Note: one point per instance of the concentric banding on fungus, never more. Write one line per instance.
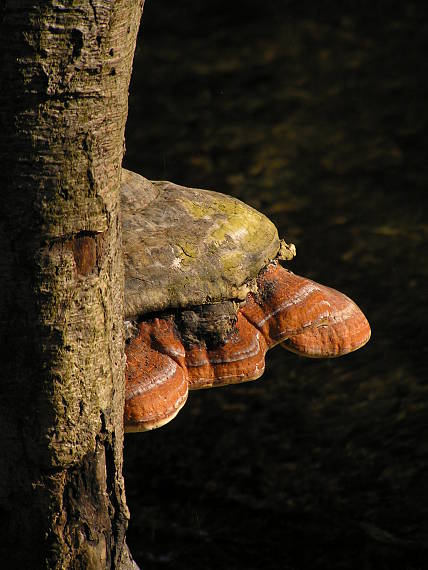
(206, 259)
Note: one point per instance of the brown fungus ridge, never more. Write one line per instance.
(307, 318)
(165, 361)
(285, 304)
(156, 387)
(346, 330)
(160, 370)
(240, 359)
(162, 335)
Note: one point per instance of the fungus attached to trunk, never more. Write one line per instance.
(205, 289)
(156, 387)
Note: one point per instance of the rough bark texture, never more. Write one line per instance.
(65, 70)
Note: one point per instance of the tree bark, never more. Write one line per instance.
(65, 70)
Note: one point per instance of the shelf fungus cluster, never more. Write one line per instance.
(206, 296)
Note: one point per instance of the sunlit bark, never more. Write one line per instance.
(65, 70)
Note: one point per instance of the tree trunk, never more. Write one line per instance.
(65, 70)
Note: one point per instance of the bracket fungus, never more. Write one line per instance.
(207, 296)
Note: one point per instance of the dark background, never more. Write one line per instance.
(316, 114)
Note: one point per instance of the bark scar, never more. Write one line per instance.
(84, 250)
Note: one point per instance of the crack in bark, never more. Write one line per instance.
(94, 11)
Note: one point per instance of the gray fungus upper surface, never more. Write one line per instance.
(185, 246)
